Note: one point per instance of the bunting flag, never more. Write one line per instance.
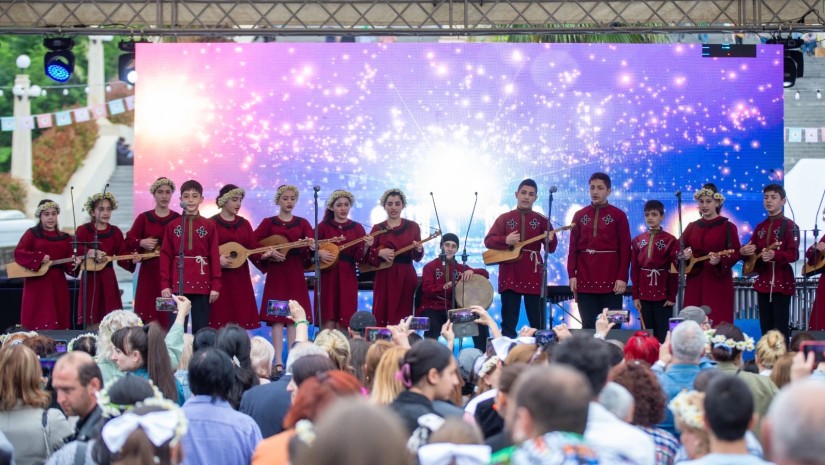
(81, 115)
(794, 134)
(116, 107)
(63, 118)
(26, 122)
(99, 111)
(130, 102)
(7, 123)
(44, 121)
(811, 134)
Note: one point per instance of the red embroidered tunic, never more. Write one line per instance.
(102, 292)
(599, 252)
(339, 283)
(45, 298)
(818, 311)
(776, 275)
(236, 303)
(201, 262)
(652, 253)
(394, 287)
(433, 278)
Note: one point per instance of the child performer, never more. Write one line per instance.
(813, 255)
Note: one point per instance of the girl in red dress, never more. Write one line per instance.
(339, 285)
(102, 292)
(45, 298)
(144, 236)
(237, 303)
(712, 283)
(394, 287)
(812, 256)
(285, 272)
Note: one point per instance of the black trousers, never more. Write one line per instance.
(774, 312)
(591, 306)
(657, 317)
(199, 314)
(511, 309)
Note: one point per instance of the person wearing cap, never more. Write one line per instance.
(358, 324)
(521, 278)
(697, 314)
(339, 283)
(437, 281)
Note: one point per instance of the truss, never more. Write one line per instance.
(397, 17)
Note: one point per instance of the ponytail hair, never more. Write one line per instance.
(150, 342)
(234, 341)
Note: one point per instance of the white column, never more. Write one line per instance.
(21, 140)
(96, 77)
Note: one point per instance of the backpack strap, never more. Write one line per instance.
(80, 453)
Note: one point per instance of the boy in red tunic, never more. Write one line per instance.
(654, 286)
(45, 298)
(521, 278)
(711, 282)
(813, 255)
(201, 258)
(775, 284)
(102, 291)
(599, 255)
(437, 288)
(145, 236)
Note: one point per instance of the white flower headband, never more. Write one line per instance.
(722, 342)
(111, 410)
(687, 406)
(707, 192)
(69, 348)
(237, 192)
(284, 188)
(41, 208)
(161, 182)
(305, 431)
(488, 366)
(393, 191)
(337, 194)
(165, 425)
(18, 337)
(89, 206)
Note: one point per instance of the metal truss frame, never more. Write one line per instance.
(404, 17)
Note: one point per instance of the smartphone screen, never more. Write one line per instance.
(378, 334)
(817, 347)
(277, 308)
(420, 323)
(618, 316)
(61, 346)
(165, 304)
(544, 337)
(674, 322)
(462, 315)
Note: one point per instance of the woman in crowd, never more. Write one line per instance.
(262, 355)
(45, 298)
(34, 430)
(781, 372)
(141, 350)
(386, 386)
(642, 346)
(84, 343)
(689, 416)
(235, 342)
(336, 346)
(182, 372)
(374, 355)
(304, 368)
(358, 349)
(769, 349)
(129, 443)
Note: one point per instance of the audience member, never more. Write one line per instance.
(76, 379)
(358, 358)
(642, 346)
(688, 411)
(457, 441)
(697, 314)
(359, 322)
(798, 338)
(336, 346)
(781, 372)
(262, 355)
(770, 347)
(182, 373)
(374, 354)
(509, 375)
(142, 351)
(234, 341)
(679, 363)
(482, 406)
(305, 368)
(792, 431)
(205, 337)
(618, 401)
(386, 386)
(616, 352)
(148, 434)
(43, 346)
(217, 433)
(84, 343)
(6, 451)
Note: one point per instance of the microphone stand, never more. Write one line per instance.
(443, 257)
(181, 255)
(95, 246)
(682, 278)
(543, 294)
(316, 260)
(466, 235)
(74, 254)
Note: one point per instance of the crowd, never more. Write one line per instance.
(138, 395)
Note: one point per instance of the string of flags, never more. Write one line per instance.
(64, 118)
(807, 135)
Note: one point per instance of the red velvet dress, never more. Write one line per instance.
(394, 287)
(236, 303)
(147, 225)
(817, 321)
(599, 253)
(652, 254)
(712, 285)
(201, 262)
(776, 276)
(285, 280)
(45, 298)
(339, 284)
(433, 278)
(102, 292)
(522, 276)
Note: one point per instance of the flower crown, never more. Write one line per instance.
(688, 406)
(284, 188)
(69, 348)
(305, 431)
(89, 206)
(337, 194)
(237, 192)
(161, 182)
(488, 366)
(111, 410)
(722, 342)
(707, 192)
(16, 337)
(41, 208)
(393, 191)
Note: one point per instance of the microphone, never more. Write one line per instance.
(678, 194)
(316, 188)
(553, 189)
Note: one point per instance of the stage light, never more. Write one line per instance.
(126, 62)
(58, 64)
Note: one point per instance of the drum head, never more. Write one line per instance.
(476, 291)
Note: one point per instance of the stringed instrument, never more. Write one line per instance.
(694, 260)
(815, 268)
(513, 253)
(14, 270)
(238, 253)
(94, 265)
(367, 268)
(749, 268)
(335, 250)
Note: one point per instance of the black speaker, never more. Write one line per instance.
(618, 334)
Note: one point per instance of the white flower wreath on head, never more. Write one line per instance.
(393, 191)
(89, 206)
(707, 192)
(305, 431)
(337, 194)
(688, 406)
(237, 192)
(722, 342)
(111, 410)
(488, 366)
(69, 347)
(161, 182)
(45, 206)
(284, 188)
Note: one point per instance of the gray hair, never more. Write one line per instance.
(797, 423)
(108, 325)
(617, 399)
(302, 350)
(693, 313)
(687, 342)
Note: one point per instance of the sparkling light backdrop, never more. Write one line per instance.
(454, 119)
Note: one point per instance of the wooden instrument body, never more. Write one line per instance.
(513, 253)
(238, 253)
(91, 264)
(815, 268)
(14, 270)
(689, 266)
(749, 268)
(336, 250)
(367, 268)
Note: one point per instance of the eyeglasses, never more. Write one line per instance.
(707, 322)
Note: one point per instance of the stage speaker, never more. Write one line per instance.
(618, 334)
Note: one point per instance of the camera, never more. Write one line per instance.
(277, 308)
(166, 304)
(462, 315)
(618, 316)
(378, 334)
(420, 323)
(545, 336)
(673, 323)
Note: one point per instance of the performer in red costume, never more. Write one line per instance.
(102, 292)
(813, 255)
(654, 286)
(339, 284)
(145, 236)
(285, 272)
(394, 287)
(521, 278)
(237, 303)
(437, 287)
(599, 255)
(712, 284)
(45, 298)
(201, 259)
(775, 283)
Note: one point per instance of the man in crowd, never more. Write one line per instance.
(76, 379)
(793, 430)
(359, 322)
